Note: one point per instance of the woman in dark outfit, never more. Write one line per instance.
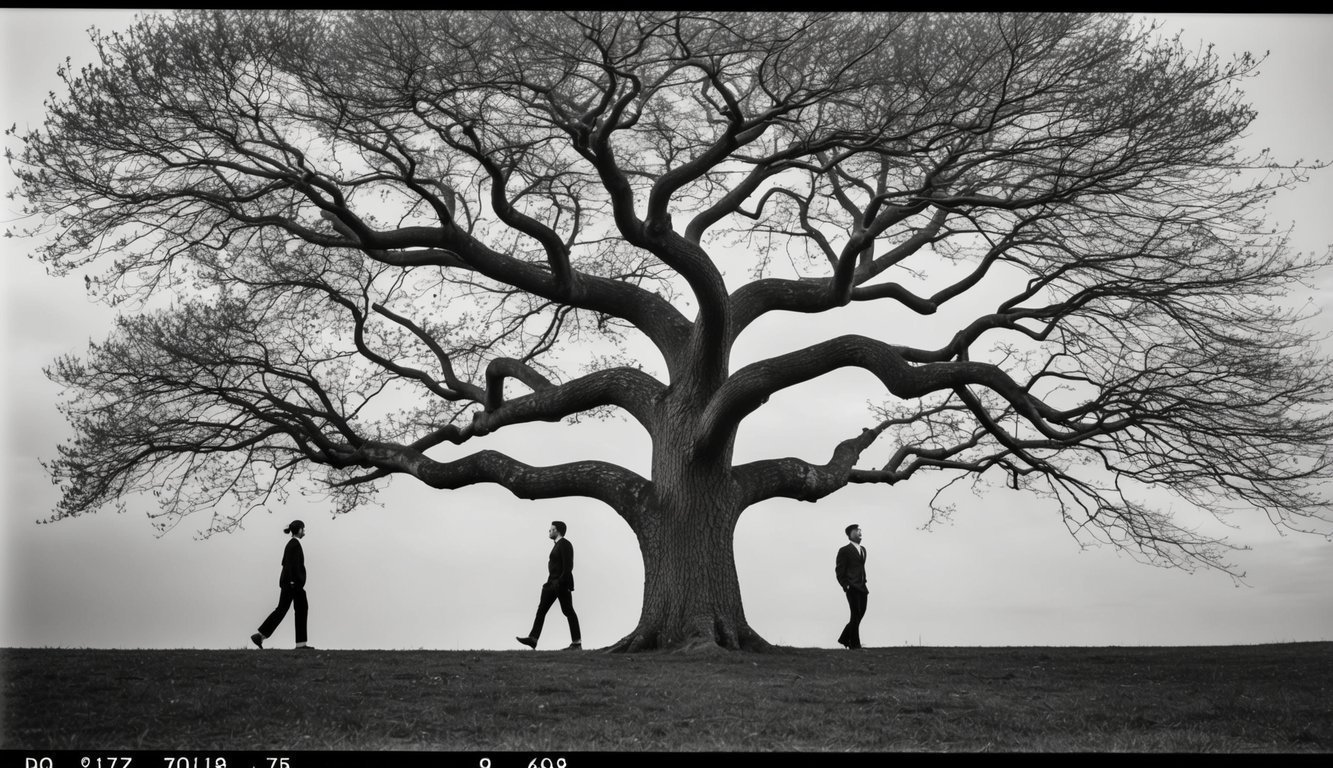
(292, 582)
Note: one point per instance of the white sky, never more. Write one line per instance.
(460, 570)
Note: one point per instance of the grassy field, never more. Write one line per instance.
(1270, 698)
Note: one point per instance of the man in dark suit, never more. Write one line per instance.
(559, 586)
(851, 572)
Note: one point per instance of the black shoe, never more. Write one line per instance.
(530, 642)
(257, 639)
(304, 648)
(575, 647)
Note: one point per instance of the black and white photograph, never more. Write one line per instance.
(534, 385)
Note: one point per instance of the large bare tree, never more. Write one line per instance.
(356, 244)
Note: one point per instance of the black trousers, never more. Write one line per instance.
(290, 596)
(856, 604)
(549, 596)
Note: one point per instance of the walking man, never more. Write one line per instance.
(851, 572)
(559, 586)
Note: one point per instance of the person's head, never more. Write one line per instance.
(297, 529)
(557, 529)
(854, 532)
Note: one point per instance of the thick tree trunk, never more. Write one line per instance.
(686, 531)
(691, 594)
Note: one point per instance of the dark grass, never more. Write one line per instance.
(1268, 698)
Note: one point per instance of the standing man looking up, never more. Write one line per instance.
(851, 572)
(559, 586)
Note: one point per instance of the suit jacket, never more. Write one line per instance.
(293, 565)
(561, 565)
(851, 568)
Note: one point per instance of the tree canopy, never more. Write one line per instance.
(353, 244)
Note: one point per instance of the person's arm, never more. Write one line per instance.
(566, 557)
(293, 565)
(555, 565)
(840, 569)
(300, 565)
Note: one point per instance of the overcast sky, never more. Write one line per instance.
(461, 569)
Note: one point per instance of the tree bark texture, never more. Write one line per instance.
(686, 532)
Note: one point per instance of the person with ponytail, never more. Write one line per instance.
(292, 583)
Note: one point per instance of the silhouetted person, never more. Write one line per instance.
(292, 582)
(851, 572)
(559, 586)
